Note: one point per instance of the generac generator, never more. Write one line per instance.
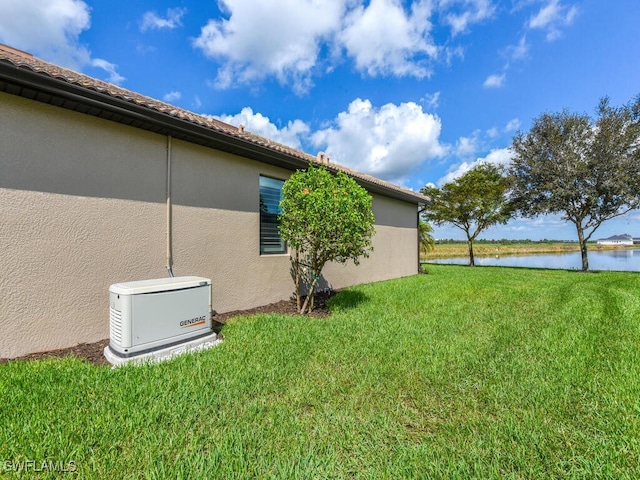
(153, 315)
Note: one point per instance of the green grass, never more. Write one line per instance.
(462, 373)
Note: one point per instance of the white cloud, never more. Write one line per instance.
(261, 38)
(519, 51)
(431, 100)
(511, 53)
(295, 39)
(151, 20)
(468, 146)
(466, 13)
(456, 171)
(51, 30)
(495, 81)
(145, 49)
(388, 142)
(512, 125)
(493, 132)
(547, 15)
(501, 156)
(172, 96)
(384, 39)
(451, 53)
(110, 68)
(552, 17)
(257, 123)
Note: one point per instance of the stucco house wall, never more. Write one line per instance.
(84, 205)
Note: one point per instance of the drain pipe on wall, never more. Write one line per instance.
(169, 213)
(420, 212)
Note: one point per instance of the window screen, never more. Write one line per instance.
(270, 196)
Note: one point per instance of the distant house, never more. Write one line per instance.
(101, 185)
(623, 239)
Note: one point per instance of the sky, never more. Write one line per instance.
(412, 92)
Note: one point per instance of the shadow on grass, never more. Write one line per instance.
(347, 300)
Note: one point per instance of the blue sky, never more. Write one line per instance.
(413, 92)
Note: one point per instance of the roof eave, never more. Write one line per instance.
(144, 117)
(169, 125)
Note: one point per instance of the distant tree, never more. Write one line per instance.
(427, 242)
(325, 218)
(586, 170)
(473, 202)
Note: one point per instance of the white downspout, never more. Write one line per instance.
(169, 213)
(420, 211)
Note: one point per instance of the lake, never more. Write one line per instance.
(627, 260)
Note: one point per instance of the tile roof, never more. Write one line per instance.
(26, 62)
(624, 236)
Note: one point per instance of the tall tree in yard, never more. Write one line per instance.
(473, 202)
(586, 170)
(325, 217)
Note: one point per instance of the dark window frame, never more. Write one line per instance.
(270, 194)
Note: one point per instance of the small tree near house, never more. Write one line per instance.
(324, 217)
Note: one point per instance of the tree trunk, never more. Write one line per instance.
(310, 295)
(471, 259)
(316, 269)
(583, 249)
(296, 266)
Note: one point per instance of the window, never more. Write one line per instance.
(270, 196)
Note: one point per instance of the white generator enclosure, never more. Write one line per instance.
(150, 315)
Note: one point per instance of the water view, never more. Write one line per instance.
(627, 260)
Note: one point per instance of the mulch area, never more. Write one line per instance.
(94, 352)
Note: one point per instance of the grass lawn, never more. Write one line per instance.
(462, 373)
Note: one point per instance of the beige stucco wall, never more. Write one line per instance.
(395, 247)
(83, 204)
(216, 227)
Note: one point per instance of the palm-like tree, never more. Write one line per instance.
(427, 242)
